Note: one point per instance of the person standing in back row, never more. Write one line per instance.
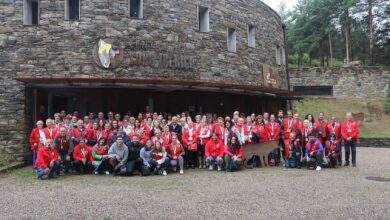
(350, 134)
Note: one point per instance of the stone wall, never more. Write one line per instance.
(349, 82)
(63, 49)
(374, 142)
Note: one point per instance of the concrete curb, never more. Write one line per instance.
(11, 167)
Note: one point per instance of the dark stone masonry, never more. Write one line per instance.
(350, 82)
(165, 44)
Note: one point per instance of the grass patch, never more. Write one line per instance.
(370, 128)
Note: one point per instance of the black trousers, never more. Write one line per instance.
(79, 165)
(315, 160)
(133, 165)
(147, 170)
(113, 162)
(192, 158)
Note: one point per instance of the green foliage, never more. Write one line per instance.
(313, 21)
(387, 101)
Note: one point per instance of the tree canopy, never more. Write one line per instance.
(333, 32)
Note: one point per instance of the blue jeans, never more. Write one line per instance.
(54, 171)
(350, 146)
(211, 161)
(34, 157)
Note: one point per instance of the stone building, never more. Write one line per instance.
(199, 56)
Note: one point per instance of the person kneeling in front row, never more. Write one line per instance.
(333, 147)
(233, 155)
(100, 156)
(82, 157)
(47, 161)
(214, 150)
(118, 154)
(159, 156)
(314, 151)
(175, 153)
(146, 155)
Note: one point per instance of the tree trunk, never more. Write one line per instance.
(346, 46)
(330, 49)
(370, 36)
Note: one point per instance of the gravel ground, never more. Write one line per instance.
(250, 194)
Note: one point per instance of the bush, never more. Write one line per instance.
(387, 100)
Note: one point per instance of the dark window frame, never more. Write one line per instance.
(314, 90)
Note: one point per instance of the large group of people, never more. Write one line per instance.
(153, 144)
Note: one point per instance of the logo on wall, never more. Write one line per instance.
(107, 53)
(270, 75)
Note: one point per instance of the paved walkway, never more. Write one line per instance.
(265, 193)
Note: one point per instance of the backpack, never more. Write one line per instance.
(253, 162)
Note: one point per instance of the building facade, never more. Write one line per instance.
(200, 56)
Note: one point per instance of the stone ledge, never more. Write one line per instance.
(12, 166)
(374, 142)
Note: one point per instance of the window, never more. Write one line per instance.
(314, 90)
(203, 19)
(277, 54)
(31, 12)
(72, 9)
(231, 40)
(136, 8)
(251, 36)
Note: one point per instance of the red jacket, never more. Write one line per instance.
(294, 127)
(273, 130)
(78, 154)
(74, 132)
(317, 124)
(204, 132)
(304, 137)
(331, 148)
(167, 137)
(336, 129)
(234, 151)
(172, 153)
(350, 130)
(34, 139)
(58, 143)
(243, 130)
(187, 137)
(214, 149)
(50, 134)
(287, 147)
(263, 133)
(162, 141)
(91, 134)
(221, 132)
(45, 156)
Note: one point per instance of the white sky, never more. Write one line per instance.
(274, 3)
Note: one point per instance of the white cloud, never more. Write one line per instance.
(274, 3)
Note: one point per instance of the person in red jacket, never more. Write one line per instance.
(47, 161)
(233, 155)
(333, 149)
(61, 143)
(292, 153)
(175, 153)
(214, 151)
(50, 130)
(37, 139)
(321, 124)
(204, 134)
(189, 139)
(335, 128)
(350, 134)
(273, 129)
(82, 157)
(314, 151)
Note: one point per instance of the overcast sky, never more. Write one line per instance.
(274, 3)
